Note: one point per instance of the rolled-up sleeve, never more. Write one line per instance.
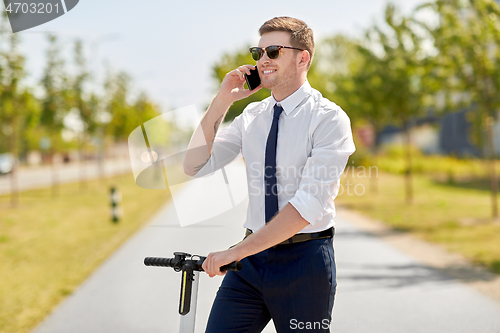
(332, 144)
(226, 147)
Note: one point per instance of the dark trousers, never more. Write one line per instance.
(292, 284)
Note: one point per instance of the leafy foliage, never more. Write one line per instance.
(468, 41)
(124, 115)
(19, 110)
(56, 95)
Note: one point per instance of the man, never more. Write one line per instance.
(296, 145)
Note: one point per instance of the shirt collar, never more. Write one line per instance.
(292, 101)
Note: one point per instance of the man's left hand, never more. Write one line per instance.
(215, 260)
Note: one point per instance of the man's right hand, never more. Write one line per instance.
(232, 87)
(231, 90)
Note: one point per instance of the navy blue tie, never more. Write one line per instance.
(271, 197)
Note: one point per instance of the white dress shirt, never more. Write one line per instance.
(314, 144)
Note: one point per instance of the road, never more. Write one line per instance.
(380, 289)
(41, 176)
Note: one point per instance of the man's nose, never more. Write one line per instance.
(265, 59)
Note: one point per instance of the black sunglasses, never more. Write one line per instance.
(273, 51)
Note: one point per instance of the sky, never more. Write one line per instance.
(169, 47)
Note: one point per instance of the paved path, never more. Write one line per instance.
(380, 289)
(41, 176)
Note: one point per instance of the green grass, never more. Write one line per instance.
(392, 159)
(49, 246)
(453, 215)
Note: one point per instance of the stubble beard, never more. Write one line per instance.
(281, 82)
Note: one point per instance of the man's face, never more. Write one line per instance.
(278, 74)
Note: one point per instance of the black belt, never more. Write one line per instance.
(328, 233)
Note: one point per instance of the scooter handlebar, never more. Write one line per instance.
(184, 262)
(177, 264)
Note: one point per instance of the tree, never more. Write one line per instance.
(83, 104)
(468, 40)
(144, 108)
(335, 61)
(118, 106)
(18, 107)
(55, 103)
(351, 77)
(124, 113)
(398, 65)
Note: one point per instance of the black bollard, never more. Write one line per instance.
(115, 198)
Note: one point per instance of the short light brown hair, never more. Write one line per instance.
(301, 36)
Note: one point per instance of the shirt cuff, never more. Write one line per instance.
(308, 206)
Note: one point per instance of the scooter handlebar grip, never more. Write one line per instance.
(235, 266)
(161, 262)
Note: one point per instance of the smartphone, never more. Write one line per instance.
(253, 80)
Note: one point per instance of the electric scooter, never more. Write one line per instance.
(190, 266)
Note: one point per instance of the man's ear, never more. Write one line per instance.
(304, 59)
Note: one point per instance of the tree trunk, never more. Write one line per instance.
(491, 166)
(83, 168)
(408, 173)
(373, 179)
(375, 149)
(54, 177)
(14, 181)
(100, 164)
(101, 157)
